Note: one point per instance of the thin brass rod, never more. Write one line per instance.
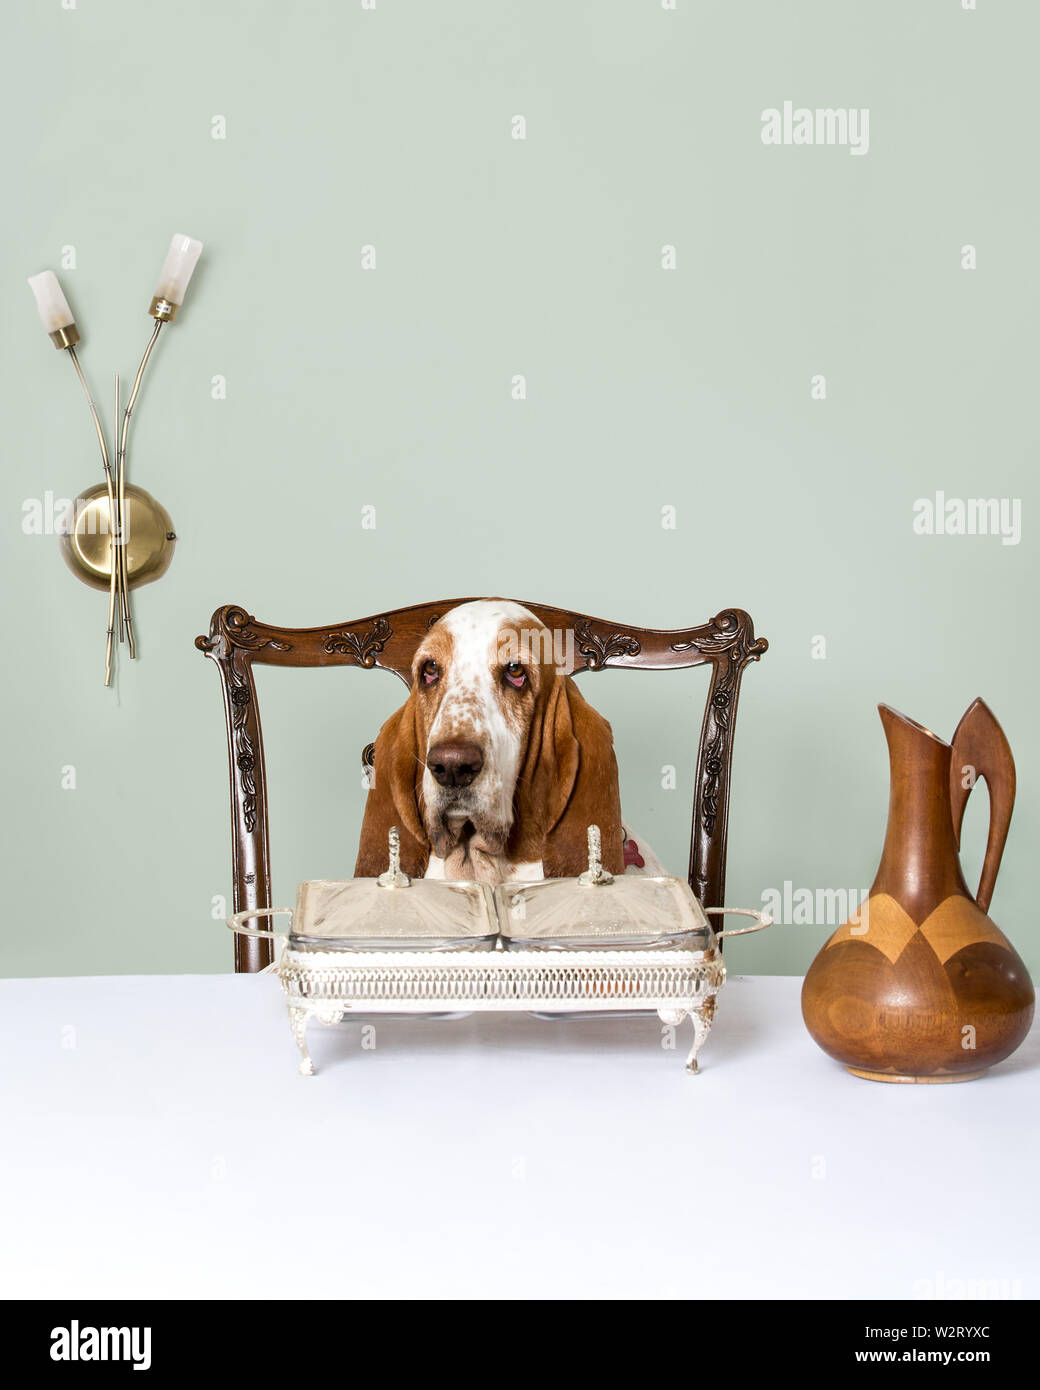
(113, 578)
(117, 532)
(121, 468)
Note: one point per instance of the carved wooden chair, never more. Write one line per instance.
(388, 642)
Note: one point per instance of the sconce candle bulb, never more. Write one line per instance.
(55, 314)
(177, 270)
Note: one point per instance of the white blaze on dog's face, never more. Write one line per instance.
(476, 695)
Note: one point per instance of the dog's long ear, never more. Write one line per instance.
(579, 774)
(393, 799)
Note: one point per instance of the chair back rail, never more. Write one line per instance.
(388, 642)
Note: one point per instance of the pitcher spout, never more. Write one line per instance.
(920, 866)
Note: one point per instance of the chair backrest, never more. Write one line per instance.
(388, 642)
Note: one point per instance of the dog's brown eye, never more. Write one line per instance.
(430, 672)
(516, 675)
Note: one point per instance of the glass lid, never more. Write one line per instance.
(597, 909)
(391, 912)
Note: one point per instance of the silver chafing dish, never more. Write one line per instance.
(559, 948)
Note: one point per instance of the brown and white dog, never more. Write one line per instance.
(495, 766)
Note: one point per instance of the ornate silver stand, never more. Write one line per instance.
(370, 974)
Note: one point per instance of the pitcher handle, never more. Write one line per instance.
(981, 749)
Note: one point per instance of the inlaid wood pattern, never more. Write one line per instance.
(951, 996)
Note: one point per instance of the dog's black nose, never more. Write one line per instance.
(454, 764)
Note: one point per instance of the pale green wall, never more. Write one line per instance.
(646, 388)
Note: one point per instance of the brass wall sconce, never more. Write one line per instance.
(117, 536)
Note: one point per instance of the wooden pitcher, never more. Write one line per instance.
(921, 985)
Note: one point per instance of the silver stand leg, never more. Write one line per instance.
(701, 1018)
(298, 1018)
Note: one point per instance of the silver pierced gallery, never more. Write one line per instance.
(75, 1343)
(800, 125)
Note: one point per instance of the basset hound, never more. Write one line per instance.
(495, 766)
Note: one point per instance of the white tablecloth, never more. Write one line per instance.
(158, 1142)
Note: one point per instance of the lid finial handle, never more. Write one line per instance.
(595, 873)
(394, 878)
